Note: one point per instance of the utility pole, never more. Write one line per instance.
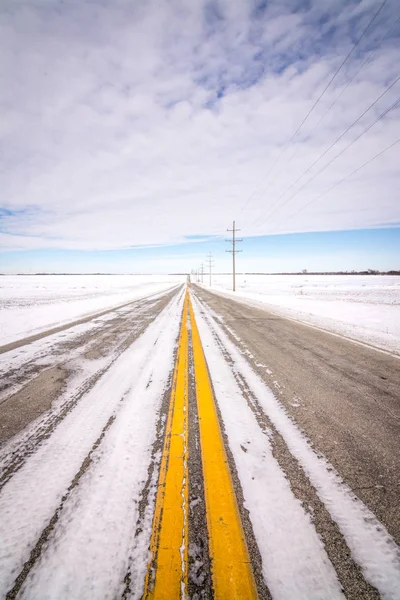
(210, 262)
(202, 272)
(233, 251)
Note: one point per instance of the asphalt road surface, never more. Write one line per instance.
(188, 445)
(345, 397)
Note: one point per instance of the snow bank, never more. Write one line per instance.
(30, 304)
(365, 308)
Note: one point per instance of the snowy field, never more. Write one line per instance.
(365, 308)
(30, 304)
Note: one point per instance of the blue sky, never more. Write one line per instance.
(129, 128)
(338, 250)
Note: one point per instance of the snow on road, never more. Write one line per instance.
(30, 304)
(131, 391)
(365, 308)
(18, 364)
(371, 545)
(81, 503)
(295, 564)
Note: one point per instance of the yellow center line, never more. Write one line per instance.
(231, 568)
(167, 572)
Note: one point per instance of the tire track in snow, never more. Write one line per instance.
(167, 568)
(19, 367)
(146, 503)
(18, 449)
(36, 551)
(370, 544)
(84, 319)
(101, 513)
(26, 508)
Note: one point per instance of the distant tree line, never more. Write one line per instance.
(305, 272)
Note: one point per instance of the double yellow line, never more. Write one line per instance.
(167, 575)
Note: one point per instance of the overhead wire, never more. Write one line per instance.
(357, 72)
(371, 54)
(381, 116)
(254, 193)
(367, 162)
(316, 161)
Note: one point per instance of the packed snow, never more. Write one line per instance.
(362, 307)
(30, 304)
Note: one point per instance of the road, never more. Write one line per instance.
(188, 445)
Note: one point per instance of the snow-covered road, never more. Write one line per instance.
(174, 428)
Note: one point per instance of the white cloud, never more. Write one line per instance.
(131, 123)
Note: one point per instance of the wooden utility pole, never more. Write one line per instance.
(233, 251)
(202, 272)
(210, 262)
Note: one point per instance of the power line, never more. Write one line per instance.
(210, 262)
(392, 26)
(233, 251)
(332, 160)
(315, 104)
(366, 61)
(367, 162)
(339, 69)
(201, 273)
(328, 149)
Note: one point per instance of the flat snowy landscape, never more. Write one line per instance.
(163, 437)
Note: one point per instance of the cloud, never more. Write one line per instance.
(137, 123)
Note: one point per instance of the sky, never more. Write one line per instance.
(132, 133)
